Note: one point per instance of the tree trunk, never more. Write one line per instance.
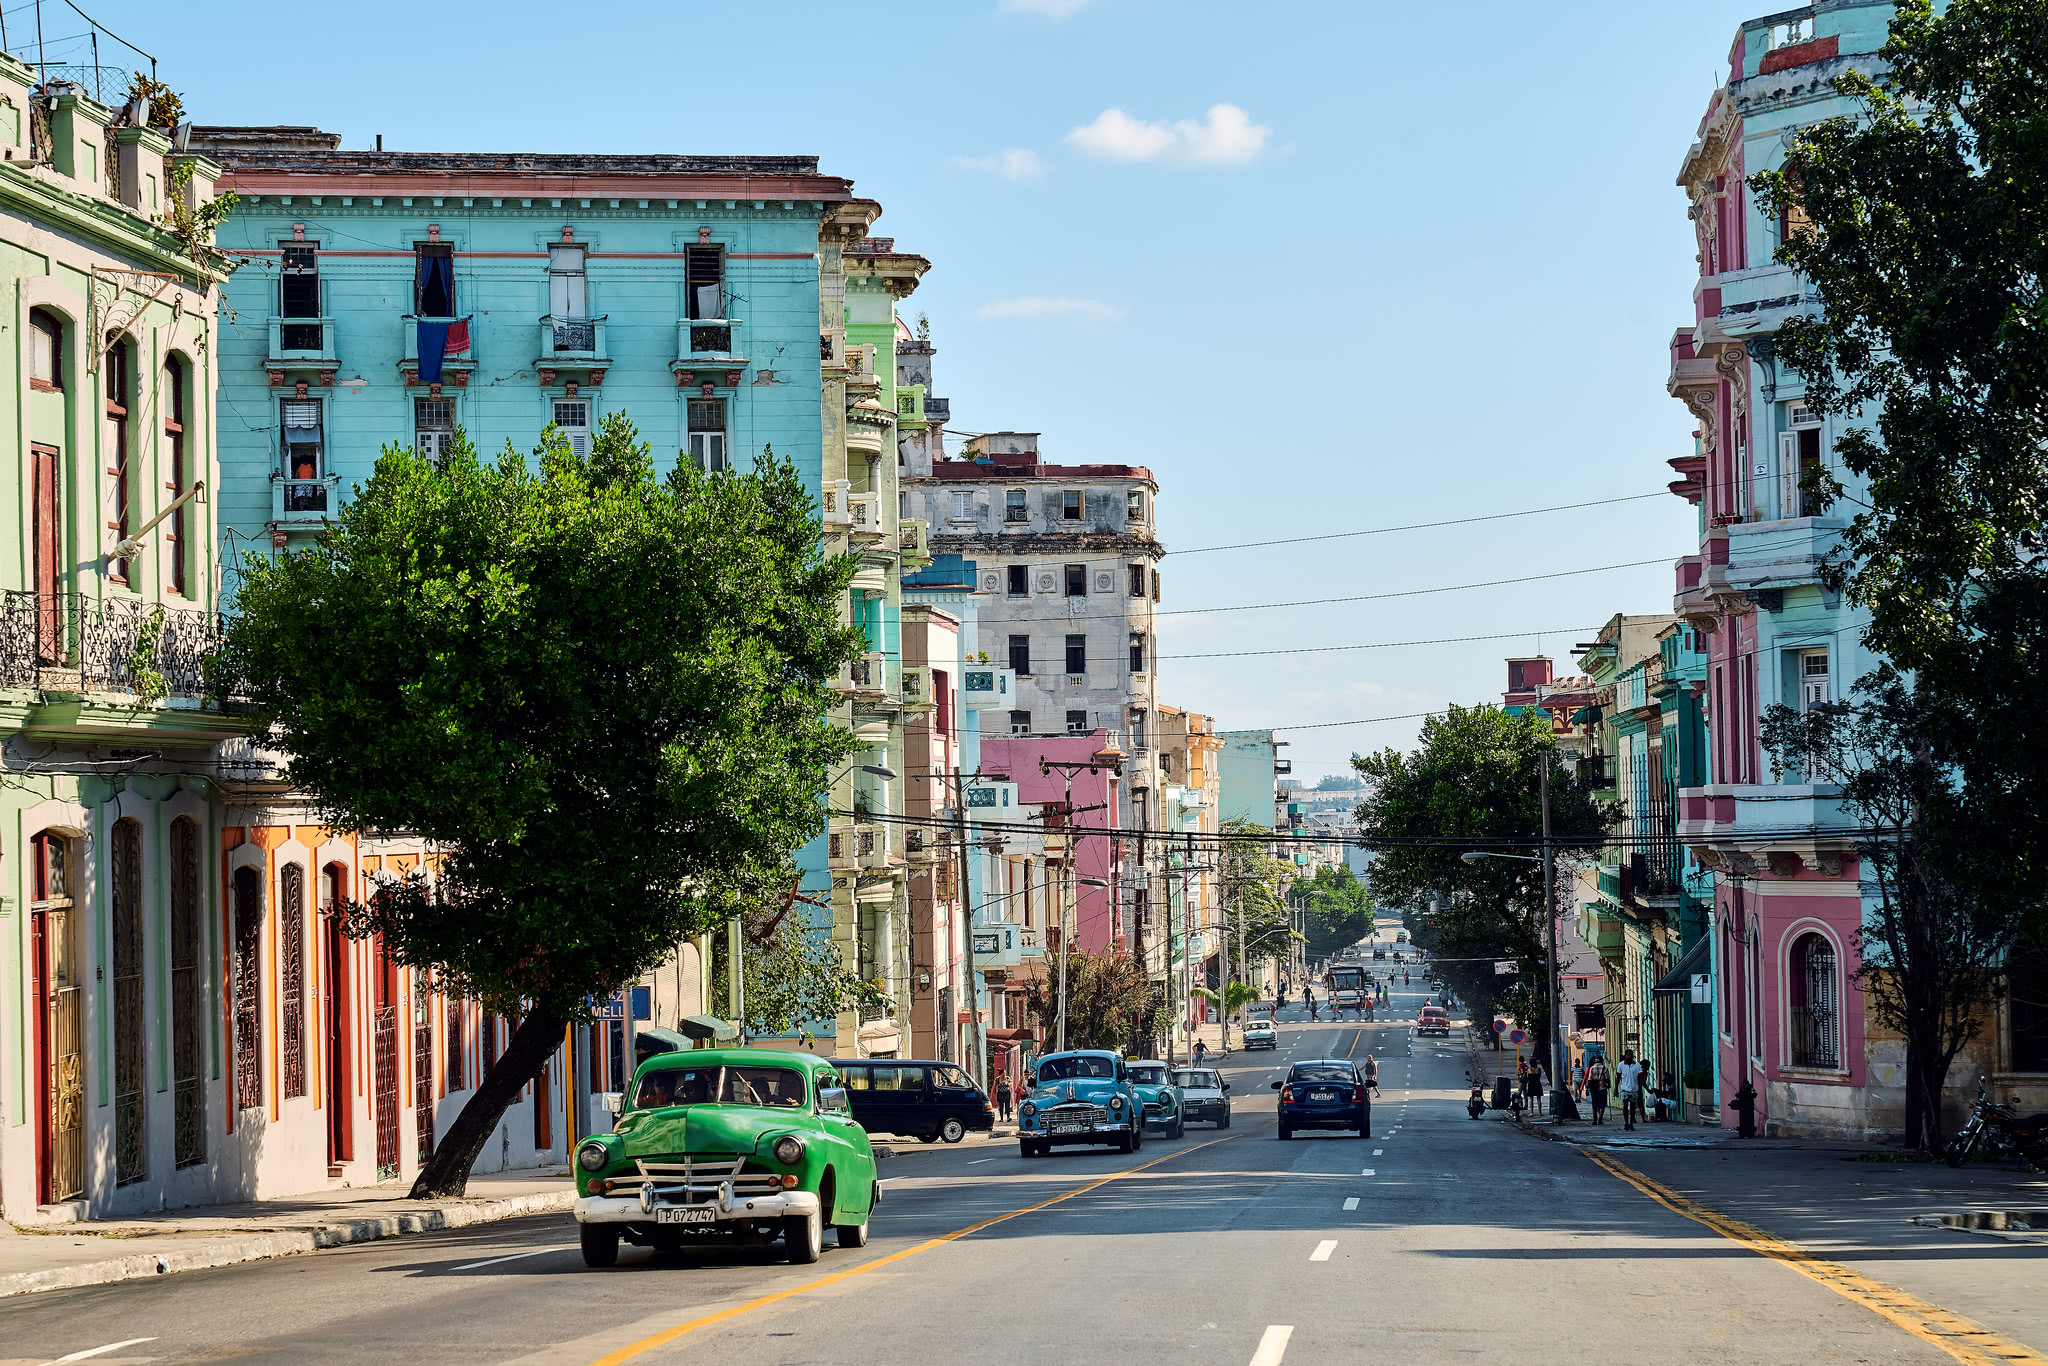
(447, 1171)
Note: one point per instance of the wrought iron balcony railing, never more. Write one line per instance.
(107, 645)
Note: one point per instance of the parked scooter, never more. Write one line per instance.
(2000, 1131)
(1475, 1104)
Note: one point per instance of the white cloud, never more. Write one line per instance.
(1012, 163)
(1042, 306)
(1227, 137)
(1050, 9)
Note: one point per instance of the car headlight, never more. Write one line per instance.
(1027, 1110)
(1116, 1102)
(593, 1156)
(789, 1150)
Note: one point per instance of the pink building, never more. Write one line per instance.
(1097, 924)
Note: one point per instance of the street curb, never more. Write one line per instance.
(251, 1247)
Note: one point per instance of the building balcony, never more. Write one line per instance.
(1602, 933)
(984, 686)
(299, 344)
(1780, 554)
(577, 344)
(872, 850)
(1757, 301)
(458, 362)
(865, 512)
(834, 511)
(303, 503)
(868, 676)
(999, 946)
(913, 540)
(77, 643)
(708, 349)
(917, 690)
(1762, 816)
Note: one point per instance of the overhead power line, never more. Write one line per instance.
(1380, 645)
(1426, 526)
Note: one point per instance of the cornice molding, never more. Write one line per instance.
(102, 224)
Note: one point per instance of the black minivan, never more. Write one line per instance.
(921, 1100)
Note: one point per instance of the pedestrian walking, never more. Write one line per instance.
(1596, 1088)
(1201, 1052)
(1372, 1074)
(1628, 1079)
(1579, 1080)
(1532, 1086)
(1003, 1098)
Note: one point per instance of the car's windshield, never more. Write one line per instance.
(1149, 1076)
(778, 1087)
(1068, 1069)
(1195, 1080)
(1321, 1071)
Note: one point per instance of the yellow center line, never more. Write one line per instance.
(1962, 1338)
(668, 1335)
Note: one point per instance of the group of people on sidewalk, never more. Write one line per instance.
(1631, 1079)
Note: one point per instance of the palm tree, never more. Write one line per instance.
(1234, 997)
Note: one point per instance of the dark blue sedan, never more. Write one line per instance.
(1324, 1093)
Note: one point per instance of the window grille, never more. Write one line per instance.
(1815, 1027)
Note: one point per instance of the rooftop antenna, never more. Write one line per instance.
(42, 60)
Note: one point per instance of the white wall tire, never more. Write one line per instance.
(803, 1237)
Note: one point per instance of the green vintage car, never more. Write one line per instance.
(745, 1144)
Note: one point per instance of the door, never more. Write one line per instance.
(335, 986)
(49, 536)
(384, 1040)
(543, 1103)
(131, 1113)
(60, 1001)
(423, 1072)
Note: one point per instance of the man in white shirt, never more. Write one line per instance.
(1628, 1079)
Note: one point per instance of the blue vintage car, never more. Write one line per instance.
(1159, 1094)
(1083, 1096)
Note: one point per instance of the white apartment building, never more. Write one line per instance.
(1068, 559)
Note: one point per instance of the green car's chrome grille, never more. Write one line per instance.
(703, 1178)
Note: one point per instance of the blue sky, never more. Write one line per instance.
(1332, 267)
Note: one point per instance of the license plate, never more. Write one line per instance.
(1322, 1095)
(1071, 1127)
(686, 1216)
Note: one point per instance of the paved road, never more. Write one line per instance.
(1438, 1239)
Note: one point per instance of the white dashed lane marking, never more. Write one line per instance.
(1323, 1250)
(1351, 1202)
(1367, 1172)
(1273, 1345)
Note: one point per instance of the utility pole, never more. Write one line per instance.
(967, 933)
(736, 977)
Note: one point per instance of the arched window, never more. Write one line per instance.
(1816, 1025)
(46, 350)
(291, 982)
(131, 1131)
(188, 1109)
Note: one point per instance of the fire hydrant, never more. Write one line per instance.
(1744, 1105)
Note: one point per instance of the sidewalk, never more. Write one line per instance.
(95, 1253)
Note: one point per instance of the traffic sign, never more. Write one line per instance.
(1500, 1026)
(1516, 1036)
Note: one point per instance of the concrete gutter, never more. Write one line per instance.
(188, 1252)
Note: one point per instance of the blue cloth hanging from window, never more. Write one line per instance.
(433, 348)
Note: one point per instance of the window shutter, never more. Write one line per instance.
(1788, 474)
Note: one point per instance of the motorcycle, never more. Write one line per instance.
(1475, 1104)
(2000, 1131)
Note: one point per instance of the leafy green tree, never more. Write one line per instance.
(600, 694)
(1474, 783)
(793, 973)
(1107, 999)
(1921, 225)
(1251, 881)
(1340, 910)
(1933, 945)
